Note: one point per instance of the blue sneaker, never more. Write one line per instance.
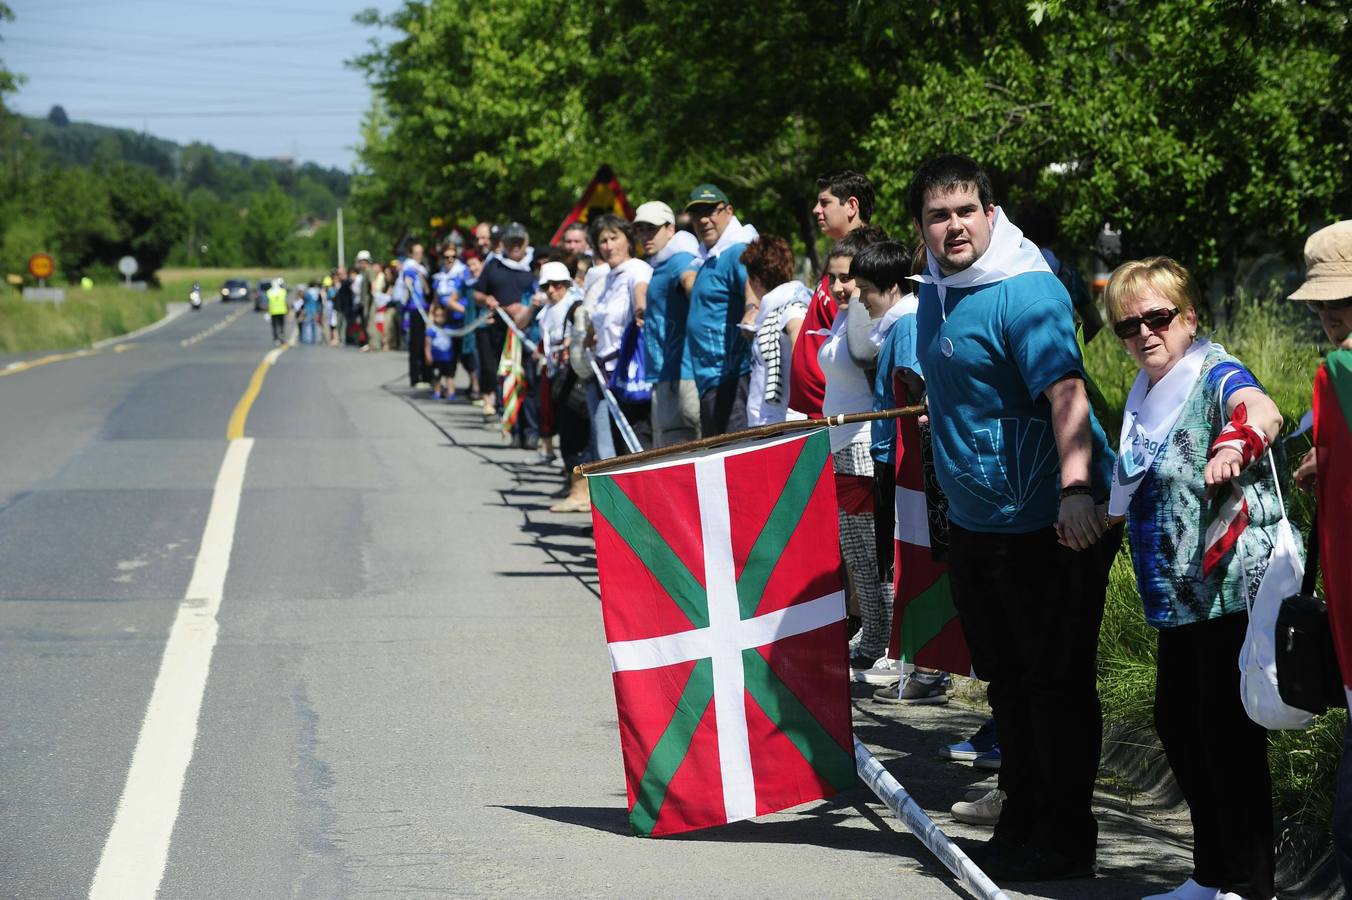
(988, 760)
(982, 742)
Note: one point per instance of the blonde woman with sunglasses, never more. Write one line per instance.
(1193, 481)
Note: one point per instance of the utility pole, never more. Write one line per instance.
(341, 255)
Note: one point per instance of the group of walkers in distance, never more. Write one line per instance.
(687, 322)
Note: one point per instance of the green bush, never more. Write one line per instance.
(1278, 341)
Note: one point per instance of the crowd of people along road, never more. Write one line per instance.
(697, 325)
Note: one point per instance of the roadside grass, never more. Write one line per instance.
(83, 318)
(1279, 342)
(109, 310)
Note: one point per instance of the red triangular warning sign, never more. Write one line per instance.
(603, 194)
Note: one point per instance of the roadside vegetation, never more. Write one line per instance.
(82, 319)
(86, 317)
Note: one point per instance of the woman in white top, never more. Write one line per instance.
(850, 390)
(783, 304)
(620, 301)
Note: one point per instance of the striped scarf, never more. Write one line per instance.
(769, 325)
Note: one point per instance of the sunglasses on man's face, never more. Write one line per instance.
(1155, 320)
(707, 211)
(1318, 306)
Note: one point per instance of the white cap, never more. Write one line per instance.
(554, 271)
(363, 255)
(655, 212)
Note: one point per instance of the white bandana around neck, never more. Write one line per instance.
(680, 242)
(1009, 254)
(1147, 419)
(521, 265)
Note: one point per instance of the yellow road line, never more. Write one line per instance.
(15, 368)
(235, 430)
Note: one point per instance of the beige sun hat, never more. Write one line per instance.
(1328, 264)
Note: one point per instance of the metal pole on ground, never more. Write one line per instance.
(894, 796)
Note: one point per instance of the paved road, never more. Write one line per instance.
(408, 694)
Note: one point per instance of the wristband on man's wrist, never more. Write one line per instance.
(1073, 490)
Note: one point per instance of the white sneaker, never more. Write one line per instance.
(985, 811)
(884, 672)
(1188, 890)
(1231, 895)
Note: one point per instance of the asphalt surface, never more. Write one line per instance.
(410, 694)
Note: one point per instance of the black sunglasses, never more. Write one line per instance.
(1317, 306)
(1155, 320)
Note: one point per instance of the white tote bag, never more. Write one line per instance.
(1258, 656)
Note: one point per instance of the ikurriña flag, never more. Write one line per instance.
(925, 627)
(513, 375)
(1333, 492)
(724, 615)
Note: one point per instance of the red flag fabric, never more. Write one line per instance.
(1333, 492)
(807, 384)
(724, 614)
(602, 192)
(925, 626)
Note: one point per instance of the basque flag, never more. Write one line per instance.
(724, 613)
(1333, 491)
(925, 626)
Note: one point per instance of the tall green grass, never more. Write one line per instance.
(83, 318)
(1279, 342)
(109, 310)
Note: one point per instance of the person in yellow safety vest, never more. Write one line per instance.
(277, 310)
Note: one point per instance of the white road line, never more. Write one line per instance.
(137, 849)
(224, 323)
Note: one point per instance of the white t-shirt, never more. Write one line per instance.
(847, 387)
(615, 307)
(758, 410)
(551, 321)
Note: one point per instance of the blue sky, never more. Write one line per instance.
(259, 77)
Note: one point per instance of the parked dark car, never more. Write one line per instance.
(261, 295)
(234, 289)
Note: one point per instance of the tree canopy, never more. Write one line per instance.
(1209, 130)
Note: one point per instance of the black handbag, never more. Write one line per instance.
(1308, 677)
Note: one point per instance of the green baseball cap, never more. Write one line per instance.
(706, 193)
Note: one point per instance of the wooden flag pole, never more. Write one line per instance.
(762, 431)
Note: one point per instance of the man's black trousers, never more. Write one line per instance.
(1031, 610)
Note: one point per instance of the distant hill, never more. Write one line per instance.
(89, 194)
(313, 189)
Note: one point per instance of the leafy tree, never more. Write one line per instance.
(57, 116)
(268, 236)
(481, 112)
(150, 216)
(1209, 131)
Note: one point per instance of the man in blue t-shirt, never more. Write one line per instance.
(720, 358)
(675, 403)
(1026, 469)
(412, 289)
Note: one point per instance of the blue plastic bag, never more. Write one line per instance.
(629, 379)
